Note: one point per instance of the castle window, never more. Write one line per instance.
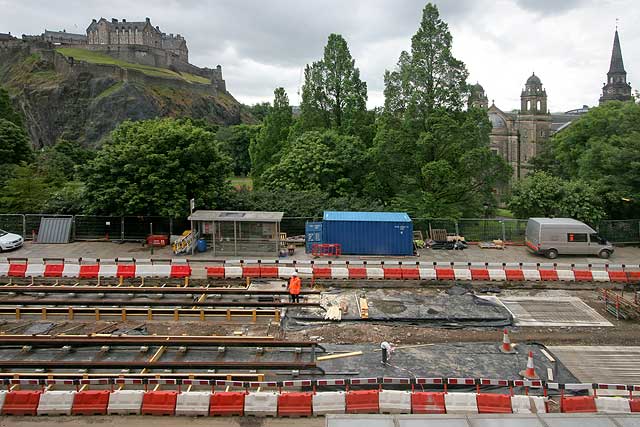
(528, 105)
(538, 106)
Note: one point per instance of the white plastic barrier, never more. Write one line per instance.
(261, 404)
(339, 273)
(375, 273)
(71, 270)
(56, 402)
(528, 404)
(461, 403)
(462, 273)
(329, 402)
(305, 272)
(566, 275)
(144, 270)
(395, 402)
(4, 269)
(34, 270)
(3, 394)
(162, 270)
(497, 275)
(125, 402)
(193, 403)
(108, 270)
(285, 272)
(600, 276)
(531, 275)
(233, 272)
(612, 405)
(428, 274)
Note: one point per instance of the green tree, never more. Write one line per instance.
(7, 111)
(234, 141)
(14, 144)
(154, 167)
(333, 96)
(603, 149)
(25, 191)
(266, 148)
(258, 111)
(320, 161)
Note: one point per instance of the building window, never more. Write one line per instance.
(576, 237)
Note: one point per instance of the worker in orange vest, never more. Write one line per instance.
(294, 288)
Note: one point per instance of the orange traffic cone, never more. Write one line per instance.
(506, 346)
(530, 372)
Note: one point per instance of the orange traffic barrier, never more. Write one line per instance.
(490, 403)
(227, 403)
(411, 273)
(180, 271)
(445, 274)
(159, 403)
(423, 402)
(295, 404)
(215, 272)
(322, 272)
(578, 404)
(635, 405)
(480, 274)
(251, 271)
(126, 271)
(514, 275)
(548, 275)
(362, 402)
(393, 273)
(357, 273)
(89, 271)
(21, 402)
(270, 271)
(90, 402)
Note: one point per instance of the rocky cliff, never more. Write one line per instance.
(63, 97)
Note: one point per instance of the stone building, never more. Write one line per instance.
(62, 37)
(119, 33)
(616, 88)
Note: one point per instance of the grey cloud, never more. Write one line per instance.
(551, 7)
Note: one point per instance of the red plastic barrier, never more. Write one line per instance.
(634, 276)
(295, 404)
(491, 403)
(89, 271)
(53, 270)
(411, 273)
(215, 272)
(635, 405)
(21, 402)
(392, 273)
(180, 271)
(423, 402)
(362, 402)
(90, 402)
(322, 272)
(514, 275)
(445, 274)
(583, 275)
(479, 274)
(227, 403)
(578, 404)
(618, 276)
(357, 273)
(251, 271)
(17, 270)
(126, 271)
(270, 271)
(548, 275)
(159, 403)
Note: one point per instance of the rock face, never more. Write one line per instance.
(63, 98)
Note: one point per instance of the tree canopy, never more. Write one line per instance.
(7, 111)
(155, 167)
(15, 146)
(234, 141)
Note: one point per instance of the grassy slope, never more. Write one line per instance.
(100, 58)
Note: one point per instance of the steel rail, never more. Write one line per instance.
(140, 364)
(137, 303)
(85, 289)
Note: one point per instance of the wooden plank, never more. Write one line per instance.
(338, 356)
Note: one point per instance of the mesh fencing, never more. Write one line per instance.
(620, 231)
(12, 223)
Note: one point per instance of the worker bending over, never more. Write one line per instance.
(387, 349)
(294, 288)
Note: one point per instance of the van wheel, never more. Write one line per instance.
(552, 254)
(604, 254)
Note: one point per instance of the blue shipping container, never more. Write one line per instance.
(313, 234)
(369, 233)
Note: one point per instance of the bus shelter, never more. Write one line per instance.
(236, 233)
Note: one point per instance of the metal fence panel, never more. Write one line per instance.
(620, 231)
(32, 223)
(13, 223)
(98, 227)
(139, 227)
(294, 226)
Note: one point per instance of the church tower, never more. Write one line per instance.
(533, 123)
(477, 97)
(616, 88)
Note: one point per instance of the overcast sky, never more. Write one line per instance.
(262, 44)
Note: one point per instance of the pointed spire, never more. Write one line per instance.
(617, 66)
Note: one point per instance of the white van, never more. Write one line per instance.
(565, 236)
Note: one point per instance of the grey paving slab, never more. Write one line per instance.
(559, 311)
(601, 364)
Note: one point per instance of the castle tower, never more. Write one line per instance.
(616, 88)
(533, 125)
(477, 97)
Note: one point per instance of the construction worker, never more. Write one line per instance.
(387, 349)
(294, 288)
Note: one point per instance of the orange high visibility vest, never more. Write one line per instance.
(294, 286)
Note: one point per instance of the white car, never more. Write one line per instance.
(9, 241)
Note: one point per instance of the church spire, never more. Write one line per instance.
(617, 66)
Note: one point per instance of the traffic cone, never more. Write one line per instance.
(530, 372)
(506, 346)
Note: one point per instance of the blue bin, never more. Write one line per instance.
(202, 245)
